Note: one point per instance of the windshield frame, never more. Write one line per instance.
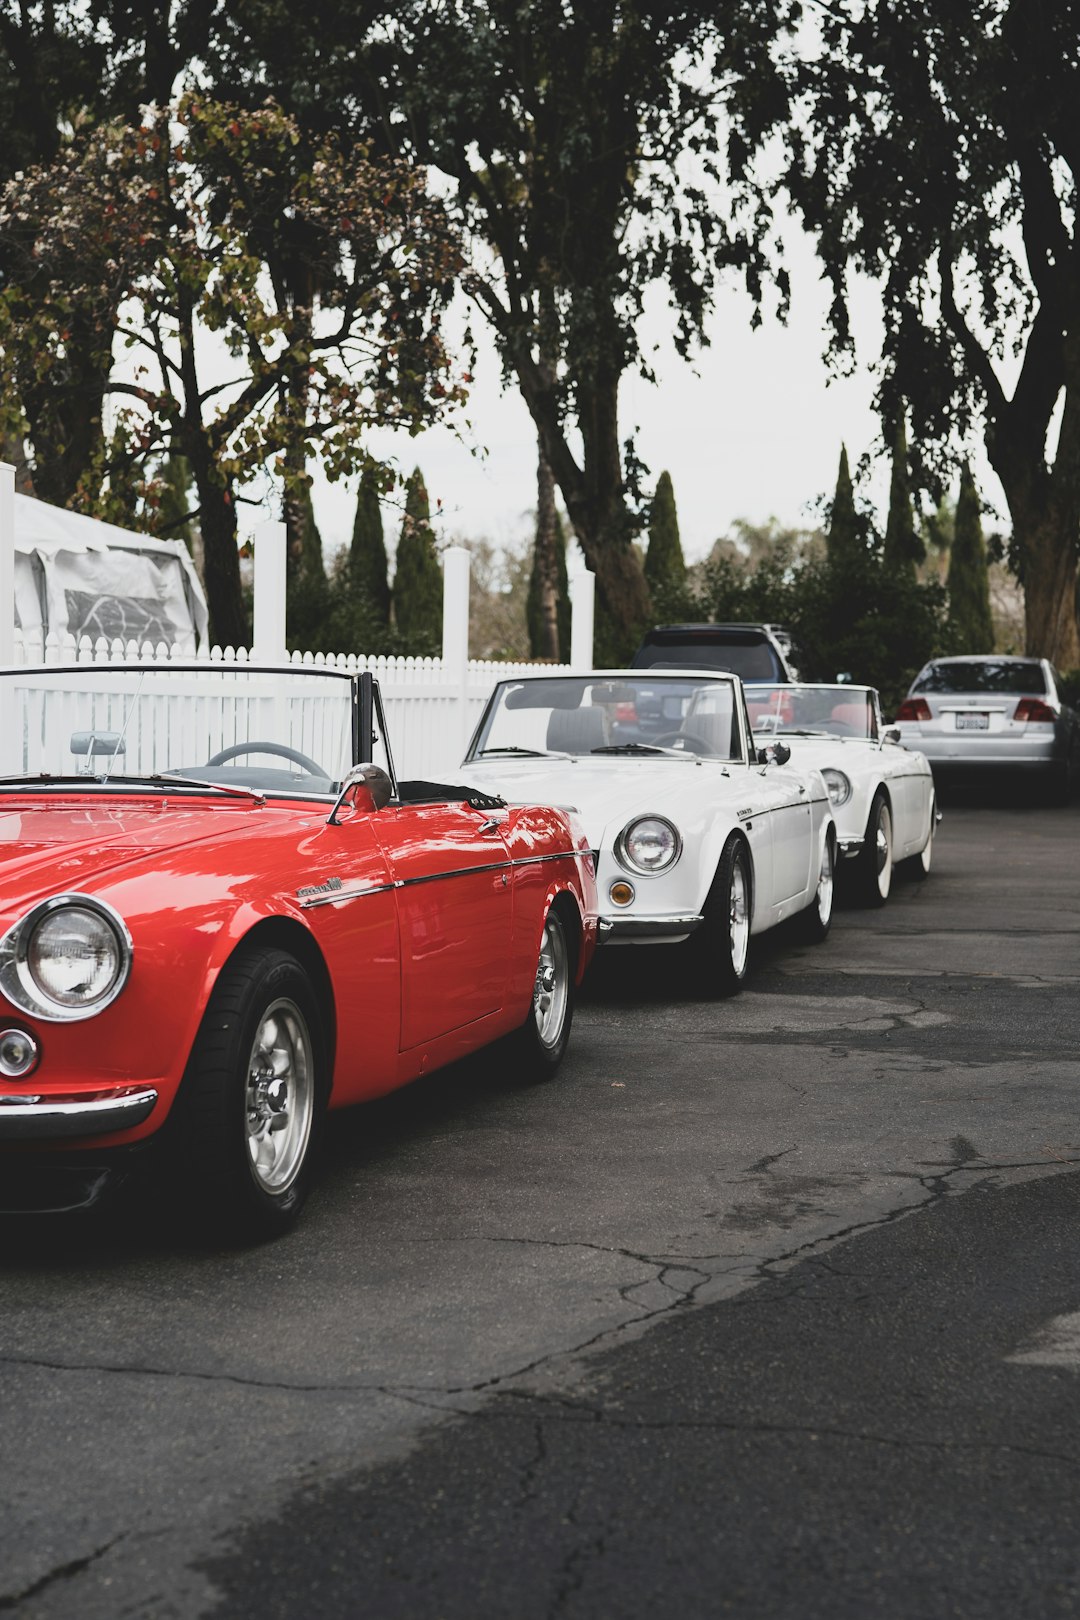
(843, 687)
(366, 725)
(474, 754)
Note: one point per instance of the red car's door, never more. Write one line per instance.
(455, 902)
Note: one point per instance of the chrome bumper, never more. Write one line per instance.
(28, 1117)
(847, 847)
(646, 929)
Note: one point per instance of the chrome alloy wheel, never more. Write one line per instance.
(883, 852)
(280, 1096)
(551, 991)
(826, 885)
(739, 916)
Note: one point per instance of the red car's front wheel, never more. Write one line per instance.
(252, 1096)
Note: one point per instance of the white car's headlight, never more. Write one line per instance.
(838, 785)
(649, 844)
(68, 958)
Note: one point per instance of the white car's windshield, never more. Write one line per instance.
(648, 715)
(835, 711)
(278, 732)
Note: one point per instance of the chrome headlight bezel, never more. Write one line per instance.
(17, 981)
(837, 785)
(626, 859)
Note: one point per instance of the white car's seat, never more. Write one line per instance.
(577, 731)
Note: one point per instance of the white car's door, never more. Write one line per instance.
(786, 798)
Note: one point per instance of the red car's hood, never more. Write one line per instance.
(48, 845)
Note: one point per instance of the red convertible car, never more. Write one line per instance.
(222, 915)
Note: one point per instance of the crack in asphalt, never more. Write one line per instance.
(937, 1186)
(63, 1572)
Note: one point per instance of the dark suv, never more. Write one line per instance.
(756, 652)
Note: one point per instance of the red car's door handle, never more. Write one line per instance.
(486, 828)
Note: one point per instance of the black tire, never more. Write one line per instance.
(814, 922)
(539, 1045)
(918, 866)
(238, 1173)
(874, 868)
(721, 946)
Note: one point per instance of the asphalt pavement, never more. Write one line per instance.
(765, 1308)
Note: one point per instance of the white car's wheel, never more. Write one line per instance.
(816, 920)
(722, 943)
(918, 866)
(875, 867)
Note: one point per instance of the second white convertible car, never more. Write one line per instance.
(698, 834)
(882, 793)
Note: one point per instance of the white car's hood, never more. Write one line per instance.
(611, 787)
(814, 753)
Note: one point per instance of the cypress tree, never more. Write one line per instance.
(903, 549)
(368, 581)
(417, 576)
(307, 594)
(843, 539)
(969, 580)
(664, 562)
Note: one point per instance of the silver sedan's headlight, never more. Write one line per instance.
(68, 958)
(838, 785)
(649, 844)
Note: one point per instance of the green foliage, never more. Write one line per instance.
(417, 576)
(969, 582)
(664, 561)
(846, 613)
(904, 548)
(587, 145)
(367, 554)
(170, 221)
(845, 537)
(935, 148)
(534, 606)
(176, 500)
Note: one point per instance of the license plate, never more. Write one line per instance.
(973, 722)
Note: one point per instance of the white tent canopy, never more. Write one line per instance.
(77, 576)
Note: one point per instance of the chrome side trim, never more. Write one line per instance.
(338, 895)
(29, 1116)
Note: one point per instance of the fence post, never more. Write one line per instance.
(268, 617)
(582, 610)
(455, 640)
(7, 563)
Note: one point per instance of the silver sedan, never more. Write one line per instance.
(992, 713)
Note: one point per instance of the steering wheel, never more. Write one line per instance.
(685, 741)
(279, 749)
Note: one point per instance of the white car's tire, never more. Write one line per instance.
(814, 923)
(874, 873)
(721, 946)
(918, 866)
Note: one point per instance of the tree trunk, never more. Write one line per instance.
(547, 562)
(1044, 504)
(221, 561)
(595, 500)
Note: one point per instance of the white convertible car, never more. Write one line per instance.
(698, 834)
(882, 792)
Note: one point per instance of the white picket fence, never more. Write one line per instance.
(186, 715)
(432, 704)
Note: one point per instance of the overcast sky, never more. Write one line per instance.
(753, 430)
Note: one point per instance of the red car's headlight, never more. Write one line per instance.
(68, 958)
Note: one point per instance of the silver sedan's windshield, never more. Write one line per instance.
(636, 716)
(833, 711)
(262, 731)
